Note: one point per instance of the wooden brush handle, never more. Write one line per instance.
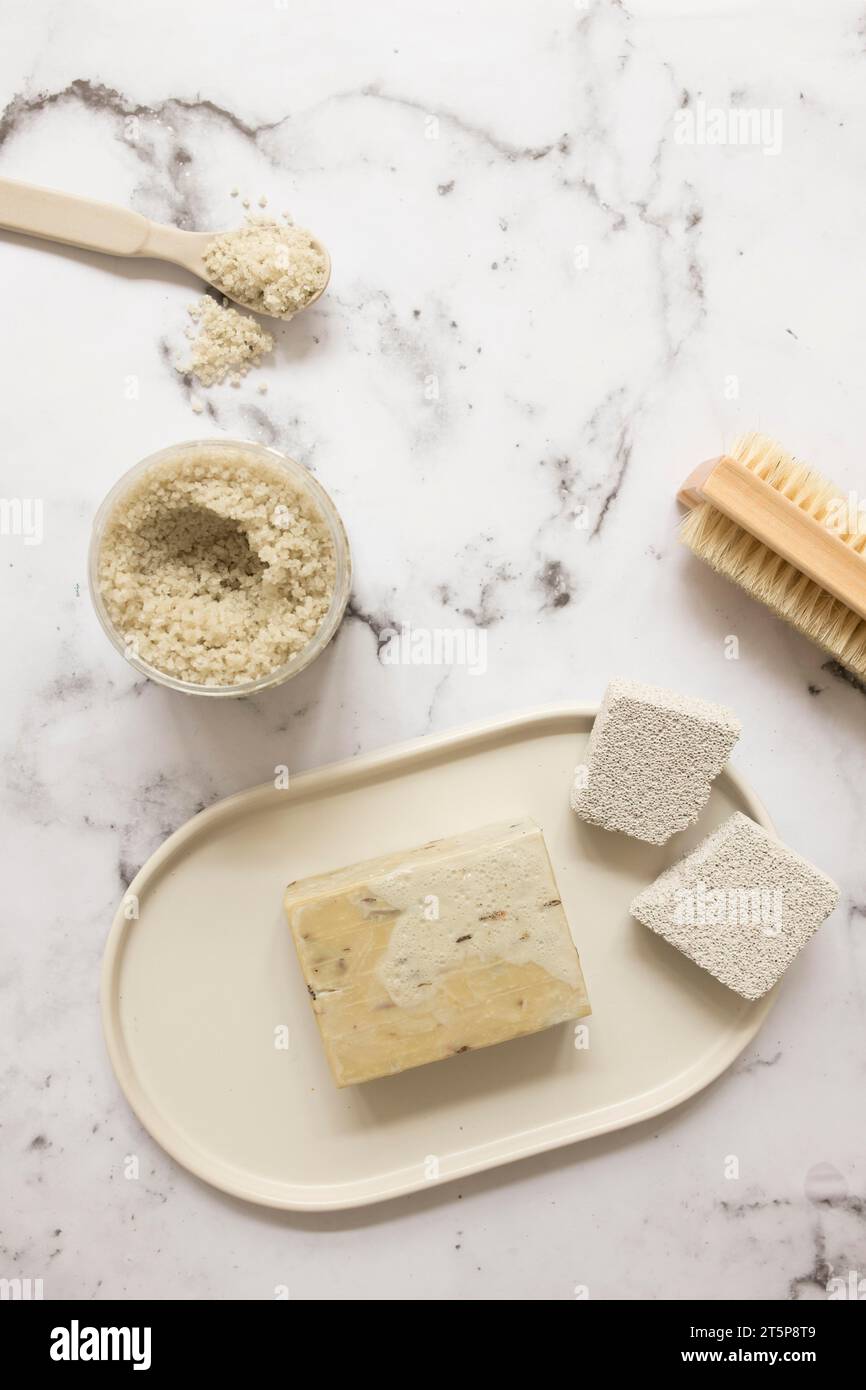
(777, 522)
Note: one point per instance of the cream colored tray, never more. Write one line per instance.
(195, 987)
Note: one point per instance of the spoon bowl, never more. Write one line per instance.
(115, 231)
(187, 249)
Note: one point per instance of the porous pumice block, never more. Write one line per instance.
(741, 905)
(650, 761)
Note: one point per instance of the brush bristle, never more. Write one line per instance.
(731, 551)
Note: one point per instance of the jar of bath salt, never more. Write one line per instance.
(219, 567)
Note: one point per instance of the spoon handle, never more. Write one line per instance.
(75, 221)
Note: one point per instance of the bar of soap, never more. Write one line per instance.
(651, 759)
(416, 956)
(741, 905)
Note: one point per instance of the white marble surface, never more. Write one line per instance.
(562, 386)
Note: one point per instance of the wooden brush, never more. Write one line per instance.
(786, 536)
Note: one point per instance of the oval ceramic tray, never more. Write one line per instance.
(202, 990)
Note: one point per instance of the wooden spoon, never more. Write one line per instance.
(115, 230)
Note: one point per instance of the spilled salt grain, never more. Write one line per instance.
(226, 343)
